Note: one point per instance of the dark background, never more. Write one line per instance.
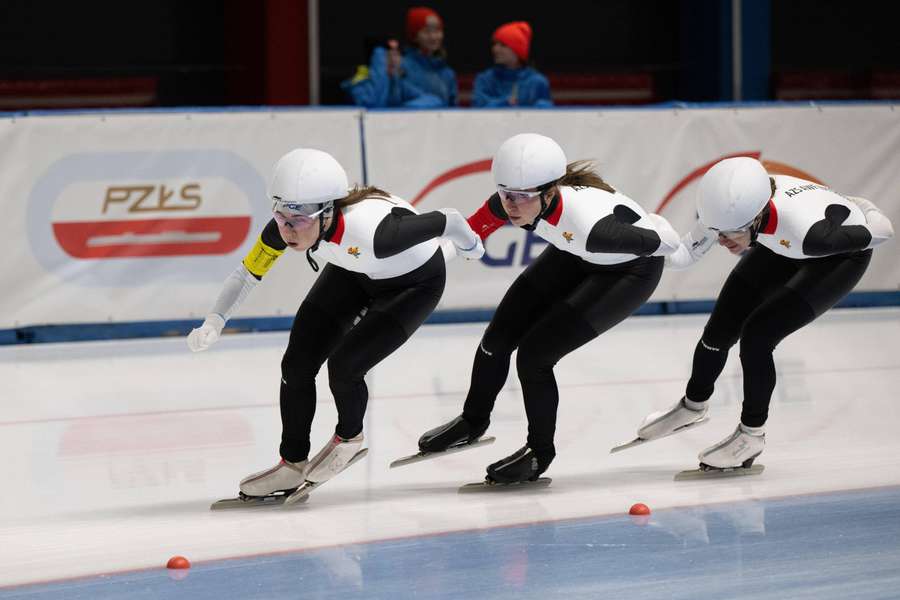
(228, 52)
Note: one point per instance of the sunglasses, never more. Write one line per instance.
(518, 196)
(300, 215)
(738, 231)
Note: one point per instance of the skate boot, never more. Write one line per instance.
(732, 456)
(284, 477)
(684, 415)
(333, 458)
(337, 455)
(737, 450)
(458, 434)
(520, 469)
(267, 488)
(455, 433)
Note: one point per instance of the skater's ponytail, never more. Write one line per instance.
(358, 194)
(581, 174)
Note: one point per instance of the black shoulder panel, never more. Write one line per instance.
(616, 234)
(830, 236)
(402, 229)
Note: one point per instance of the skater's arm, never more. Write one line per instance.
(489, 218)
(830, 236)
(238, 285)
(616, 234)
(879, 225)
(669, 242)
(402, 229)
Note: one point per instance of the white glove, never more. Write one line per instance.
(457, 229)
(694, 246)
(669, 241)
(203, 337)
(473, 253)
(879, 225)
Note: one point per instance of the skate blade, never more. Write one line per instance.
(642, 441)
(490, 486)
(249, 502)
(712, 473)
(301, 494)
(420, 456)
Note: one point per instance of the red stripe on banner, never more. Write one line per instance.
(85, 239)
(478, 166)
(699, 173)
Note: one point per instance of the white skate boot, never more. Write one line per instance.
(285, 476)
(732, 456)
(267, 488)
(337, 455)
(668, 422)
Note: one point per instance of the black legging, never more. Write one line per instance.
(323, 330)
(766, 298)
(559, 303)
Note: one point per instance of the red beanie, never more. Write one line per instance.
(417, 18)
(516, 35)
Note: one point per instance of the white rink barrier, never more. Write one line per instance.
(120, 217)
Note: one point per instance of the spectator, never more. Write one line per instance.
(511, 82)
(420, 78)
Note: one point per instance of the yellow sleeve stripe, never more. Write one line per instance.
(261, 258)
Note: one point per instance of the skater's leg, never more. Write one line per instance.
(393, 317)
(817, 286)
(601, 301)
(322, 320)
(549, 278)
(757, 274)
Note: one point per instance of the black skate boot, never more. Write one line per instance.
(457, 432)
(450, 437)
(519, 470)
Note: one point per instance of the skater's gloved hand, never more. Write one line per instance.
(474, 252)
(203, 337)
(468, 244)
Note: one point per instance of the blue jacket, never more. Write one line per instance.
(432, 75)
(373, 88)
(418, 87)
(494, 86)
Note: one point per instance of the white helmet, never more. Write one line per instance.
(732, 193)
(306, 176)
(526, 161)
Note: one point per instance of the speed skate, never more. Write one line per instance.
(705, 471)
(288, 497)
(423, 455)
(489, 485)
(638, 441)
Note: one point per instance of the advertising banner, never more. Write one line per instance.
(141, 216)
(655, 156)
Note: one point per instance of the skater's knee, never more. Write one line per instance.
(295, 370)
(531, 361)
(344, 366)
(760, 334)
(717, 338)
(496, 344)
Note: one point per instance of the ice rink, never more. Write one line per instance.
(114, 451)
